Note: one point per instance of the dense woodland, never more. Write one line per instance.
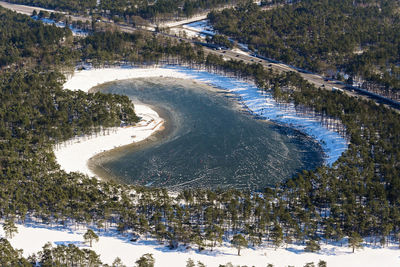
(26, 43)
(359, 196)
(126, 10)
(64, 5)
(360, 38)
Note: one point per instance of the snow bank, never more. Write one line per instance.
(112, 245)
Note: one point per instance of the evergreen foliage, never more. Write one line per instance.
(355, 241)
(312, 246)
(90, 236)
(25, 42)
(146, 260)
(9, 228)
(9, 256)
(360, 38)
(117, 263)
(126, 9)
(238, 241)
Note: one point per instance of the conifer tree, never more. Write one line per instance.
(90, 236)
(355, 241)
(238, 241)
(9, 228)
(146, 260)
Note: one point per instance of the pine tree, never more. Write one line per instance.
(146, 260)
(190, 263)
(238, 241)
(312, 246)
(9, 256)
(117, 263)
(9, 228)
(90, 236)
(277, 235)
(355, 241)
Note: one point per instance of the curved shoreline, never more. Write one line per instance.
(258, 102)
(73, 155)
(95, 163)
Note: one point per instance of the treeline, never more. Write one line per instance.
(125, 10)
(29, 44)
(59, 5)
(137, 48)
(360, 38)
(358, 196)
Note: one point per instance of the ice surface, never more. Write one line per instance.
(262, 104)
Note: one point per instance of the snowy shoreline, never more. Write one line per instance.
(73, 155)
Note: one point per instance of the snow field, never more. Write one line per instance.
(32, 237)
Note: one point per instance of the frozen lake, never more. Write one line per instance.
(209, 141)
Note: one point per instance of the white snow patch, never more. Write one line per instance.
(32, 237)
(202, 27)
(240, 51)
(171, 24)
(86, 79)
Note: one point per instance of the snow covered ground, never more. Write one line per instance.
(86, 79)
(202, 27)
(171, 24)
(240, 51)
(33, 236)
